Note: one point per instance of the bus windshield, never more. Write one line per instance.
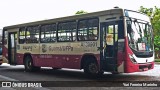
(139, 35)
(139, 32)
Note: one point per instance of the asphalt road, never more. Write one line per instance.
(73, 79)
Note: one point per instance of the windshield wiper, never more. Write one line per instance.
(139, 31)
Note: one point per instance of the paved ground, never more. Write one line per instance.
(77, 77)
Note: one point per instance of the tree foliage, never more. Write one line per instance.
(154, 13)
(80, 12)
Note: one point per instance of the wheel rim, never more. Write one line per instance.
(93, 68)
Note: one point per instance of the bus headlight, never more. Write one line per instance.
(132, 59)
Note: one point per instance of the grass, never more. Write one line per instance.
(157, 60)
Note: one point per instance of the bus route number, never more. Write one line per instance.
(89, 44)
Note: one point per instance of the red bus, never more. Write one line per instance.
(116, 40)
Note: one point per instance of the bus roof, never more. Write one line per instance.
(68, 18)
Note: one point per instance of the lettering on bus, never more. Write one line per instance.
(44, 48)
(61, 48)
(89, 44)
(28, 48)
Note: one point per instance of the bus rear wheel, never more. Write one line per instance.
(29, 67)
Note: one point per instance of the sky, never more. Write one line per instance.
(22, 11)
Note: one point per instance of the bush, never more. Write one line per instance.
(157, 60)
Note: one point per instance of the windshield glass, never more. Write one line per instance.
(139, 35)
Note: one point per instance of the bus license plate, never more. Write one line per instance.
(145, 69)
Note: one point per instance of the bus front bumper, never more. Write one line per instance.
(139, 67)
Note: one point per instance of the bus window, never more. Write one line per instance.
(110, 33)
(67, 31)
(32, 34)
(93, 29)
(22, 35)
(88, 30)
(48, 33)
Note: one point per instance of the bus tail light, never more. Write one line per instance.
(132, 59)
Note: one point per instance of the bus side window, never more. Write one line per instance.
(53, 39)
(92, 37)
(88, 28)
(22, 41)
(32, 34)
(81, 37)
(22, 35)
(27, 40)
(35, 40)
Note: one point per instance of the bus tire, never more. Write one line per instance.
(91, 68)
(28, 63)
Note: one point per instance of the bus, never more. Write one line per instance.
(115, 40)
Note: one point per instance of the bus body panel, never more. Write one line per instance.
(70, 54)
(136, 67)
(55, 55)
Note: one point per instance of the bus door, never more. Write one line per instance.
(108, 44)
(12, 41)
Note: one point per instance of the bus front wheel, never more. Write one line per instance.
(29, 65)
(91, 68)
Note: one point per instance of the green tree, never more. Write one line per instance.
(81, 12)
(154, 13)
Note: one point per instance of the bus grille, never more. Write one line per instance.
(142, 67)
